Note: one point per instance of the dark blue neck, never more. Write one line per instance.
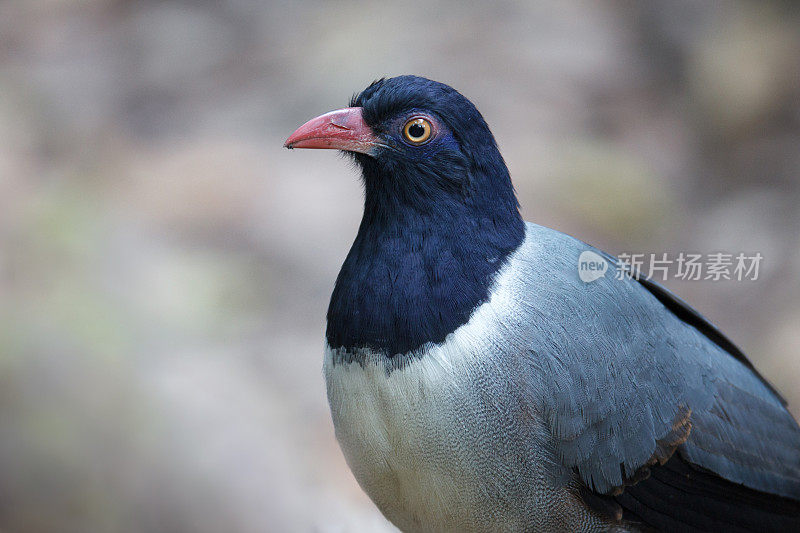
(419, 266)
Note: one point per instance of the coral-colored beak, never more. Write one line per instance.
(343, 129)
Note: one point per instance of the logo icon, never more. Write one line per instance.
(591, 266)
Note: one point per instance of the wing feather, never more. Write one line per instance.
(628, 374)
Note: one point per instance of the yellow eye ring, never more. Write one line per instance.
(417, 131)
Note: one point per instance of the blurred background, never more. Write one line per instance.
(165, 265)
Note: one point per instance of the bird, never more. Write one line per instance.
(477, 383)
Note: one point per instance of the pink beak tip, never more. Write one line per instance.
(343, 129)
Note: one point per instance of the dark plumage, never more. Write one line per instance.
(438, 223)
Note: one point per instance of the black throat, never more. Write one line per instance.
(421, 264)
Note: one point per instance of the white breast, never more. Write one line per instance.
(403, 432)
(398, 434)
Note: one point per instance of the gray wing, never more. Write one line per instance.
(626, 374)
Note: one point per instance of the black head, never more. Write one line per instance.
(440, 214)
(434, 148)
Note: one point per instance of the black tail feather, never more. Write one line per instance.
(679, 496)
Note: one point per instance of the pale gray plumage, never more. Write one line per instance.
(618, 375)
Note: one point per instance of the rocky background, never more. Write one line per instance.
(165, 265)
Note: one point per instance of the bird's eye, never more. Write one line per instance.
(417, 131)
